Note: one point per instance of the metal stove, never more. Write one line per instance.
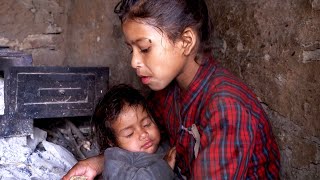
(42, 92)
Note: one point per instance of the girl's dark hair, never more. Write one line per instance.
(108, 110)
(170, 16)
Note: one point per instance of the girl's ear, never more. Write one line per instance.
(189, 40)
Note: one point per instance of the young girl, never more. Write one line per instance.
(130, 138)
(214, 120)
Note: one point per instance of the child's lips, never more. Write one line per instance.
(147, 145)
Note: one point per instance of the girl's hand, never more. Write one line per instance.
(89, 168)
(170, 157)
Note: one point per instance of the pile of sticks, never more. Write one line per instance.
(75, 137)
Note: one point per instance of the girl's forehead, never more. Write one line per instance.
(135, 30)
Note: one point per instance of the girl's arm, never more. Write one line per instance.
(230, 133)
(240, 143)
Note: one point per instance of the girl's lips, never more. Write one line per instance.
(145, 79)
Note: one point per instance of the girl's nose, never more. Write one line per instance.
(135, 61)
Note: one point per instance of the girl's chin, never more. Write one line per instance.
(157, 86)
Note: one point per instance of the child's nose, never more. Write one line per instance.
(143, 134)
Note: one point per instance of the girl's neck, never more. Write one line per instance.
(188, 73)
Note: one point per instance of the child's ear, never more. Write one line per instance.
(110, 143)
(189, 39)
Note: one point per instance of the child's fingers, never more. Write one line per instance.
(173, 152)
(171, 157)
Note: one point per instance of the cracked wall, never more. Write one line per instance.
(274, 46)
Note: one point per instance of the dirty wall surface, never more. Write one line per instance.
(67, 33)
(274, 46)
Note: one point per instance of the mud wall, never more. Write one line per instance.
(274, 46)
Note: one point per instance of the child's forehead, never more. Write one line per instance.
(131, 115)
(137, 108)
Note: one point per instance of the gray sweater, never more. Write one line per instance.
(124, 165)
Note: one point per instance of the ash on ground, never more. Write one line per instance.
(33, 158)
(48, 154)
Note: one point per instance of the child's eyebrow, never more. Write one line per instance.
(147, 118)
(126, 128)
(144, 118)
(131, 126)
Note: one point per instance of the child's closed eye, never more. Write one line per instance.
(148, 124)
(129, 135)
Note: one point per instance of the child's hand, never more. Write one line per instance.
(170, 157)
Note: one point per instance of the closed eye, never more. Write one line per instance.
(129, 135)
(148, 125)
(145, 50)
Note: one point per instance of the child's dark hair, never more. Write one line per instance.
(108, 110)
(170, 16)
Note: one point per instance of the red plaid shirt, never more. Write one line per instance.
(236, 140)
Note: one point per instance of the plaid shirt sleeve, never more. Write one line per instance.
(228, 134)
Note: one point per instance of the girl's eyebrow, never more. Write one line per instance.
(138, 40)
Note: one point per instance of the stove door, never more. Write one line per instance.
(49, 92)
